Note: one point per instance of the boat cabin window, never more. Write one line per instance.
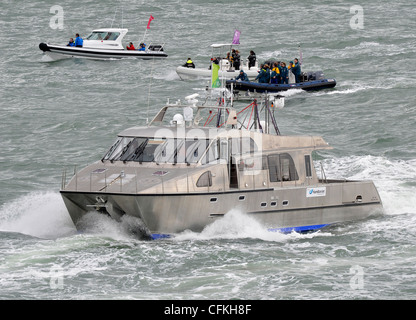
(243, 145)
(117, 148)
(252, 163)
(103, 35)
(205, 180)
(212, 153)
(239, 146)
(160, 150)
(282, 168)
(308, 165)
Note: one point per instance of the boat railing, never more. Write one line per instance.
(323, 175)
(257, 179)
(155, 47)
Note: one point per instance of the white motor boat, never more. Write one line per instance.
(103, 44)
(226, 71)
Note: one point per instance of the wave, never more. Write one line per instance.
(353, 89)
(265, 55)
(394, 179)
(169, 75)
(38, 214)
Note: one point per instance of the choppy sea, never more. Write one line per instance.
(56, 115)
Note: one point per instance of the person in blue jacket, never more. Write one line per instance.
(296, 70)
(242, 76)
(78, 41)
(275, 75)
(142, 47)
(284, 73)
(71, 43)
(264, 74)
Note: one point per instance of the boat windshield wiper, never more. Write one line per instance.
(125, 148)
(134, 148)
(139, 151)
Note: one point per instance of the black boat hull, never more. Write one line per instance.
(270, 87)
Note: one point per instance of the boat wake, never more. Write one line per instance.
(43, 214)
(395, 180)
(238, 225)
(291, 92)
(169, 75)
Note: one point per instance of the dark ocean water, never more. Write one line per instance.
(55, 115)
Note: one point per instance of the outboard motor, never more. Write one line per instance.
(303, 77)
(155, 47)
(315, 75)
(319, 75)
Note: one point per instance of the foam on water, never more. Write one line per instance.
(39, 214)
(44, 215)
(238, 225)
(395, 180)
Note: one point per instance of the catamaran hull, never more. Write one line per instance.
(191, 73)
(270, 88)
(277, 209)
(56, 52)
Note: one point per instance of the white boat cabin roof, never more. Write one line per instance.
(221, 45)
(103, 34)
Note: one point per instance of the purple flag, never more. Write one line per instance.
(236, 39)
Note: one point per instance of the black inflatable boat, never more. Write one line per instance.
(310, 81)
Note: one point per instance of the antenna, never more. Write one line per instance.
(121, 14)
(148, 93)
(115, 12)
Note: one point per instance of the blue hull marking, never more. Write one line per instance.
(298, 229)
(156, 236)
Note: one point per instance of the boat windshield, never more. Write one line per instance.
(103, 35)
(159, 150)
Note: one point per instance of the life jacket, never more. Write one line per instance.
(189, 61)
(276, 69)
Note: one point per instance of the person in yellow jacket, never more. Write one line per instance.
(275, 76)
(189, 63)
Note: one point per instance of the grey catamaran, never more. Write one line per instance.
(195, 162)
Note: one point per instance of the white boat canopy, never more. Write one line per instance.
(220, 45)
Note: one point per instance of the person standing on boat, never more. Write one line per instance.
(275, 76)
(251, 59)
(78, 41)
(236, 59)
(189, 63)
(71, 43)
(284, 73)
(295, 68)
(264, 74)
(130, 46)
(242, 76)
